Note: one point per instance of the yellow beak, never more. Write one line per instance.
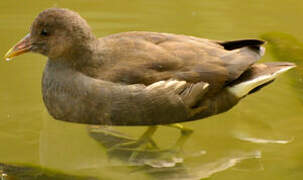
(23, 46)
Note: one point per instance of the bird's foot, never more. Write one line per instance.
(144, 144)
(185, 133)
(143, 150)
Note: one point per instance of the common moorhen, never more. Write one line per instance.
(140, 78)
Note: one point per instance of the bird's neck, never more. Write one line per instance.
(81, 56)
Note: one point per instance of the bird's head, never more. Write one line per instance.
(55, 33)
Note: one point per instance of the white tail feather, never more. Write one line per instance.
(242, 89)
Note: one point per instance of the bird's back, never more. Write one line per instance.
(149, 57)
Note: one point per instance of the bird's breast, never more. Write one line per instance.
(62, 96)
(57, 98)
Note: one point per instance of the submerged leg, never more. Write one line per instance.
(146, 138)
(142, 150)
(144, 142)
(185, 134)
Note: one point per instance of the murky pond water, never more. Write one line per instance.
(259, 138)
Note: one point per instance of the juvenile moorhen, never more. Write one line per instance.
(140, 78)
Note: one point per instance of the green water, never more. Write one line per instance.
(223, 147)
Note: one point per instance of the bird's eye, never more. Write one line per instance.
(44, 32)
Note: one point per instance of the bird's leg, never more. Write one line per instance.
(145, 149)
(146, 138)
(185, 134)
(144, 142)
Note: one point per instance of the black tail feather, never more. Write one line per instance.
(231, 45)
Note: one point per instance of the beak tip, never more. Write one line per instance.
(7, 59)
(7, 56)
(21, 47)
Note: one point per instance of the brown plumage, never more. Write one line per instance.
(140, 78)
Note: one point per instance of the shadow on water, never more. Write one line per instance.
(285, 47)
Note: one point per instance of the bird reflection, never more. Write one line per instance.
(130, 150)
(166, 164)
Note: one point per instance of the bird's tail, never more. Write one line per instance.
(258, 76)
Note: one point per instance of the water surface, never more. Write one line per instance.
(261, 138)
